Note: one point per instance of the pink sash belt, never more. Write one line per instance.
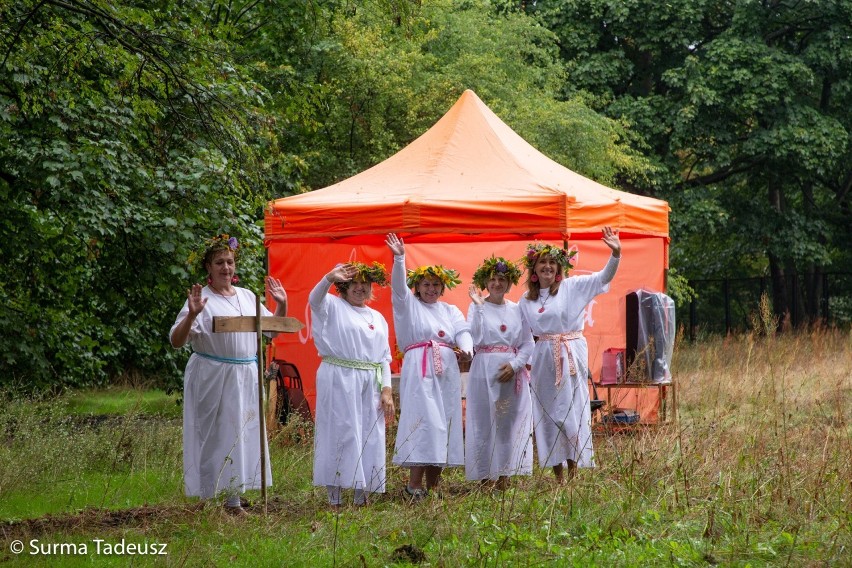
(522, 372)
(557, 341)
(436, 355)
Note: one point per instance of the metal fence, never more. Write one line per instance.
(723, 305)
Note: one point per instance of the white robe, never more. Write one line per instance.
(561, 415)
(430, 421)
(221, 430)
(349, 436)
(498, 419)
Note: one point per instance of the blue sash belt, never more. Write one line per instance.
(231, 360)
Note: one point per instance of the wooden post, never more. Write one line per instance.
(261, 415)
(258, 324)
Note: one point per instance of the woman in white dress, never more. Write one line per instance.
(221, 451)
(354, 399)
(429, 436)
(498, 419)
(553, 308)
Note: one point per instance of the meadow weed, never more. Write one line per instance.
(755, 471)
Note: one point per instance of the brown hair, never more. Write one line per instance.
(343, 287)
(534, 288)
(213, 250)
(421, 279)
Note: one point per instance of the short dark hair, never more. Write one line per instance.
(213, 250)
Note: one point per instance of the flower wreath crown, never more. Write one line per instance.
(537, 250)
(225, 240)
(496, 266)
(220, 241)
(375, 272)
(448, 276)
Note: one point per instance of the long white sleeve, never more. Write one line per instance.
(318, 294)
(525, 350)
(608, 272)
(465, 342)
(398, 278)
(386, 374)
(476, 317)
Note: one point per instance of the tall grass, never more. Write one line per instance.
(55, 459)
(756, 471)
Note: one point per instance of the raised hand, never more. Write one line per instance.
(475, 295)
(395, 244)
(194, 300)
(610, 239)
(276, 290)
(342, 273)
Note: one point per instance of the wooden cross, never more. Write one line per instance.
(258, 324)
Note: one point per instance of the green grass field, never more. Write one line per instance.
(756, 472)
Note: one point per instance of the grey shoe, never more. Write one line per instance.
(415, 494)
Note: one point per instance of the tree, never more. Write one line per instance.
(745, 107)
(123, 138)
(130, 133)
(385, 72)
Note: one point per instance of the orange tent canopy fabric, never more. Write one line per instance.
(470, 174)
(467, 188)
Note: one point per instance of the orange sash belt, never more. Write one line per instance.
(557, 341)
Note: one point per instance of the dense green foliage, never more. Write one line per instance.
(130, 131)
(125, 134)
(130, 134)
(744, 107)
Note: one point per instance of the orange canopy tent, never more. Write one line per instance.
(467, 188)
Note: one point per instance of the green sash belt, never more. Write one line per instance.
(355, 364)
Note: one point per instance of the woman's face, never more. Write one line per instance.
(546, 269)
(221, 269)
(497, 286)
(358, 293)
(430, 289)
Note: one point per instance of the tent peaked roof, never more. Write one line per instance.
(470, 173)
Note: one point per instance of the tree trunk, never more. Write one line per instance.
(779, 292)
(813, 293)
(813, 276)
(780, 305)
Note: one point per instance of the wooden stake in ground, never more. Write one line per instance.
(258, 324)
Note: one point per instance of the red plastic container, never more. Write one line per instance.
(612, 370)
